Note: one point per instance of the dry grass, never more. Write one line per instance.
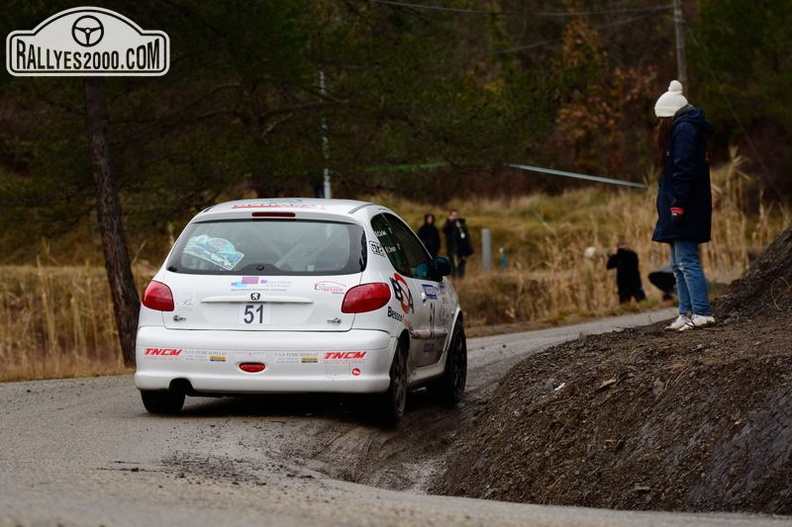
(57, 321)
(545, 238)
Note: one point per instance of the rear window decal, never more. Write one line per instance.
(218, 251)
(270, 248)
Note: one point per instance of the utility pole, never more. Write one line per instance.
(325, 141)
(679, 25)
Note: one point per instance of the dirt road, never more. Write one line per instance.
(84, 452)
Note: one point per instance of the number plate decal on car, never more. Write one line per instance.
(255, 314)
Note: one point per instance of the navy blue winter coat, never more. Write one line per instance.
(685, 181)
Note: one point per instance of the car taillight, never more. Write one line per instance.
(366, 297)
(158, 296)
(252, 367)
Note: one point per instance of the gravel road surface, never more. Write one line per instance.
(84, 452)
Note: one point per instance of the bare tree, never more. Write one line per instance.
(126, 304)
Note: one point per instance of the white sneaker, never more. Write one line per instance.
(680, 322)
(698, 321)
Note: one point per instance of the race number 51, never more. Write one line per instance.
(255, 314)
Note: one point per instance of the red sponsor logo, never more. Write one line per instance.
(355, 372)
(344, 355)
(170, 352)
(401, 292)
(330, 287)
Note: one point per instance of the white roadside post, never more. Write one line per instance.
(486, 249)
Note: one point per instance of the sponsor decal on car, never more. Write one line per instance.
(430, 291)
(377, 249)
(401, 292)
(217, 251)
(260, 284)
(395, 315)
(185, 301)
(162, 352)
(192, 355)
(292, 204)
(355, 372)
(296, 357)
(330, 287)
(344, 356)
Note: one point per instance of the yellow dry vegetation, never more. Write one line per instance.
(57, 320)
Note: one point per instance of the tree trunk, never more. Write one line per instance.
(126, 305)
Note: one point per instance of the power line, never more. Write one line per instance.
(649, 10)
(554, 40)
(575, 175)
(513, 13)
(441, 8)
(608, 12)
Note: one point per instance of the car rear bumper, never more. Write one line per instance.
(356, 361)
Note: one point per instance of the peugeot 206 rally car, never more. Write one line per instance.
(300, 295)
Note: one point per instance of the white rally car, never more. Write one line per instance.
(300, 295)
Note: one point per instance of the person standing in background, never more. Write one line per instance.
(684, 202)
(429, 235)
(458, 243)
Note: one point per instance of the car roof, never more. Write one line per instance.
(303, 207)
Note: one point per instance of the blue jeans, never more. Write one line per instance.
(689, 275)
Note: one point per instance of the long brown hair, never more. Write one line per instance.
(662, 135)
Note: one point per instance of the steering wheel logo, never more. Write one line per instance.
(87, 31)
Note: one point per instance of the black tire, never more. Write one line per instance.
(393, 403)
(162, 402)
(449, 388)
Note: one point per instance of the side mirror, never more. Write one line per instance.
(442, 266)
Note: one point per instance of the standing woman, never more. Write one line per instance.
(684, 202)
(429, 235)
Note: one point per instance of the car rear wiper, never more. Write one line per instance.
(260, 266)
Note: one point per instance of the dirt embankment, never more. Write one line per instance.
(649, 419)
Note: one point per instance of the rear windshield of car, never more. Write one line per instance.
(270, 247)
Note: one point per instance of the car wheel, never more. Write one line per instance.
(394, 401)
(162, 402)
(450, 387)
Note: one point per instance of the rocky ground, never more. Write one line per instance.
(648, 419)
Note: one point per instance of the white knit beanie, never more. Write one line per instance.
(671, 101)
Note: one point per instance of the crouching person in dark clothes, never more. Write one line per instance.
(664, 280)
(628, 274)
